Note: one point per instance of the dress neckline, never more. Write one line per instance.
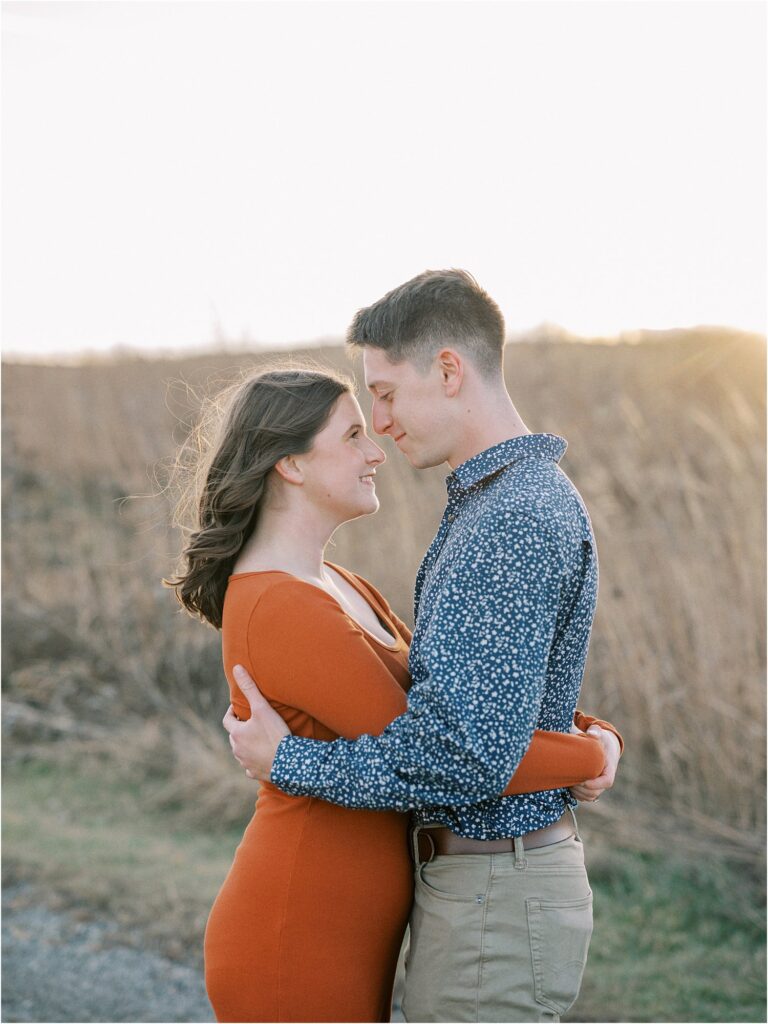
(352, 580)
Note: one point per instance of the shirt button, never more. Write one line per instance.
(451, 518)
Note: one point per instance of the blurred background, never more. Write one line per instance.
(194, 189)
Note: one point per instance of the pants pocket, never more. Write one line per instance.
(446, 879)
(441, 976)
(559, 932)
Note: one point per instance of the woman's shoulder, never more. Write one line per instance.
(273, 592)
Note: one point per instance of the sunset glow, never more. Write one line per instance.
(178, 173)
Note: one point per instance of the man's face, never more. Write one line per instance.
(410, 406)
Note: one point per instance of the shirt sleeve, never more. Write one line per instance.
(469, 722)
(555, 760)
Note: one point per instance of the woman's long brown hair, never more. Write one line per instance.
(268, 416)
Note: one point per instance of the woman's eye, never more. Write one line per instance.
(355, 433)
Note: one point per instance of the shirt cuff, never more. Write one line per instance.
(290, 766)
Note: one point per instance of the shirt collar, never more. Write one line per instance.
(490, 461)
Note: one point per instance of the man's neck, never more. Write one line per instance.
(498, 422)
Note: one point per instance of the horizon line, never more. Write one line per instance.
(542, 332)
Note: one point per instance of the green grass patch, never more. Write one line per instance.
(87, 837)
(673, 940)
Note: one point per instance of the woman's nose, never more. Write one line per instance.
(376, 455)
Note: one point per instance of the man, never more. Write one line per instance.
(504, 604)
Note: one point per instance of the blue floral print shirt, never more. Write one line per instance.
(504, 604)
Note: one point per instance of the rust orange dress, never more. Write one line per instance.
(309, 921)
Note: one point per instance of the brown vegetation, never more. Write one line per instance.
(666, 444)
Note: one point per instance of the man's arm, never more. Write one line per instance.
(469, 722)
(551, 762)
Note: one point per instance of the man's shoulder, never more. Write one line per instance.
(532, 487)
(538, 493)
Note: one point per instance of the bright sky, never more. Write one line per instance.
(177, 171)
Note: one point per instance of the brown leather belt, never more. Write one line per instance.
(438, 841)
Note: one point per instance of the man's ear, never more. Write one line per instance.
(289, 470)
(451, 366)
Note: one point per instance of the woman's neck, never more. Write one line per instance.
(288, 541)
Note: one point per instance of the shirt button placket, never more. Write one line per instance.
(449, 517)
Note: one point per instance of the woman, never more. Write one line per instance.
(309, 922)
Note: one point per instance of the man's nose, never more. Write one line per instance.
(380, 418)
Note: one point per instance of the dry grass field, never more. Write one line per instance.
(666, 445)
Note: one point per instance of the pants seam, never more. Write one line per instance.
(481, 958)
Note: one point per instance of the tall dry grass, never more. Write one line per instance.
(666, 444)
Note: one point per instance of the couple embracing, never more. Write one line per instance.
(423, 776)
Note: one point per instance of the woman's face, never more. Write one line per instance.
(339, 470)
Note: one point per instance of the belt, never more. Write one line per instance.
(438, 841)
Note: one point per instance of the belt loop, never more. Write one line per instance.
(416, 832)
(520, 862)
(575, 824)
(415, 845)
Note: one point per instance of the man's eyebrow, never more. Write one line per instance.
(372, 385)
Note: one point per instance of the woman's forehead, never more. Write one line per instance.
(347, 410)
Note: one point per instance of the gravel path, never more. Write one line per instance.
(57, 968)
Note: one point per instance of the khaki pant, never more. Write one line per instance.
(499, 937)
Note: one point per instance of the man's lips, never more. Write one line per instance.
(399, 438)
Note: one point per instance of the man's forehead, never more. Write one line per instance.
(372, 382)
(379, 371)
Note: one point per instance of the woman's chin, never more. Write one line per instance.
(370, 506)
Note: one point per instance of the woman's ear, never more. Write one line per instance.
(289, 470)
(451, 366)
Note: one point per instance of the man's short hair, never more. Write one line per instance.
(436, 309)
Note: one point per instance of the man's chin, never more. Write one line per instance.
(420, 460)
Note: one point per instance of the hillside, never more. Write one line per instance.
(666, 443)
